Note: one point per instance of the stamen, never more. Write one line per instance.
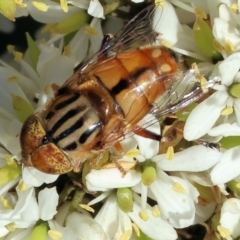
(227, 111)
(90, 31)
(22, 186)
(86, 207)
(64, 5)
(126, 235)
(11, 227)
(234, 8)
(136, 229)
(13, 79)
(200, 13)
(67, 51)
(224, 232)
(10, 48)
(5, 203)
(177, 187)
(229, 47)
(10, 161)
(155, 211)
(20, 3)
(18, 56)
(218, 46)
(170, 153)
(40, 6)
(132, 153)
(47, 89)
(54, 234)
(143, 215)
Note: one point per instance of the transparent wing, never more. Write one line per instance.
(184, 90)
(139, 32)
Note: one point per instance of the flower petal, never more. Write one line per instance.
(197, 123)
(225, 129)
(230, 216)
(98, 180)
(193, 159)
(229, 67)
(48, 201)
(176, 206)
(33, 177)
(228, 167)
(153, 225)
(85, 227)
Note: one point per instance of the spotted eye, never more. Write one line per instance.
(31, 135)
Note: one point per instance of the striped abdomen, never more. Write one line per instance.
(135, 79)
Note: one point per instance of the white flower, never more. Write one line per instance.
(228, 167)
(225, 98)
(116, 223)
(229, 220)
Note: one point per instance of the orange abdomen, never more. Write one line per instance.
(135, 79)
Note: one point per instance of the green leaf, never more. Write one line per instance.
(40, 232)
(8, 8)
(22, 108)
(34, 51)
(230, 142)
(202, 34)
(72, 23)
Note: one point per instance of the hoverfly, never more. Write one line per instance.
(105, 100)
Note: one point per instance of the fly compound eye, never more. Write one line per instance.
(49, 158)
(31, 135)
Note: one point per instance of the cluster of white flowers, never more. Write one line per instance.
(184, 188)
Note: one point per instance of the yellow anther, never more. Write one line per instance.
(47, 89)
(11, 227)
(234, 7)
(86, 207)
(224, 232)
(40, 6)
(200, 13)
(155, 211)
(160, 3)
(12, 79)
(227, 111)
(166, 44)
(229, 47)
(90, 31)
(204, 84)
(67, 51)
(238, 185)
(126, 235)
(170, 153)
(178, 187)
(10, 48)
(132, 153)
(143, 215)
(217, 46)
(64, 5)
(20, 3)
(18, 56)
(136, 229)
(22, 186)
(10, 161)
(5, 203)
(54, 234)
